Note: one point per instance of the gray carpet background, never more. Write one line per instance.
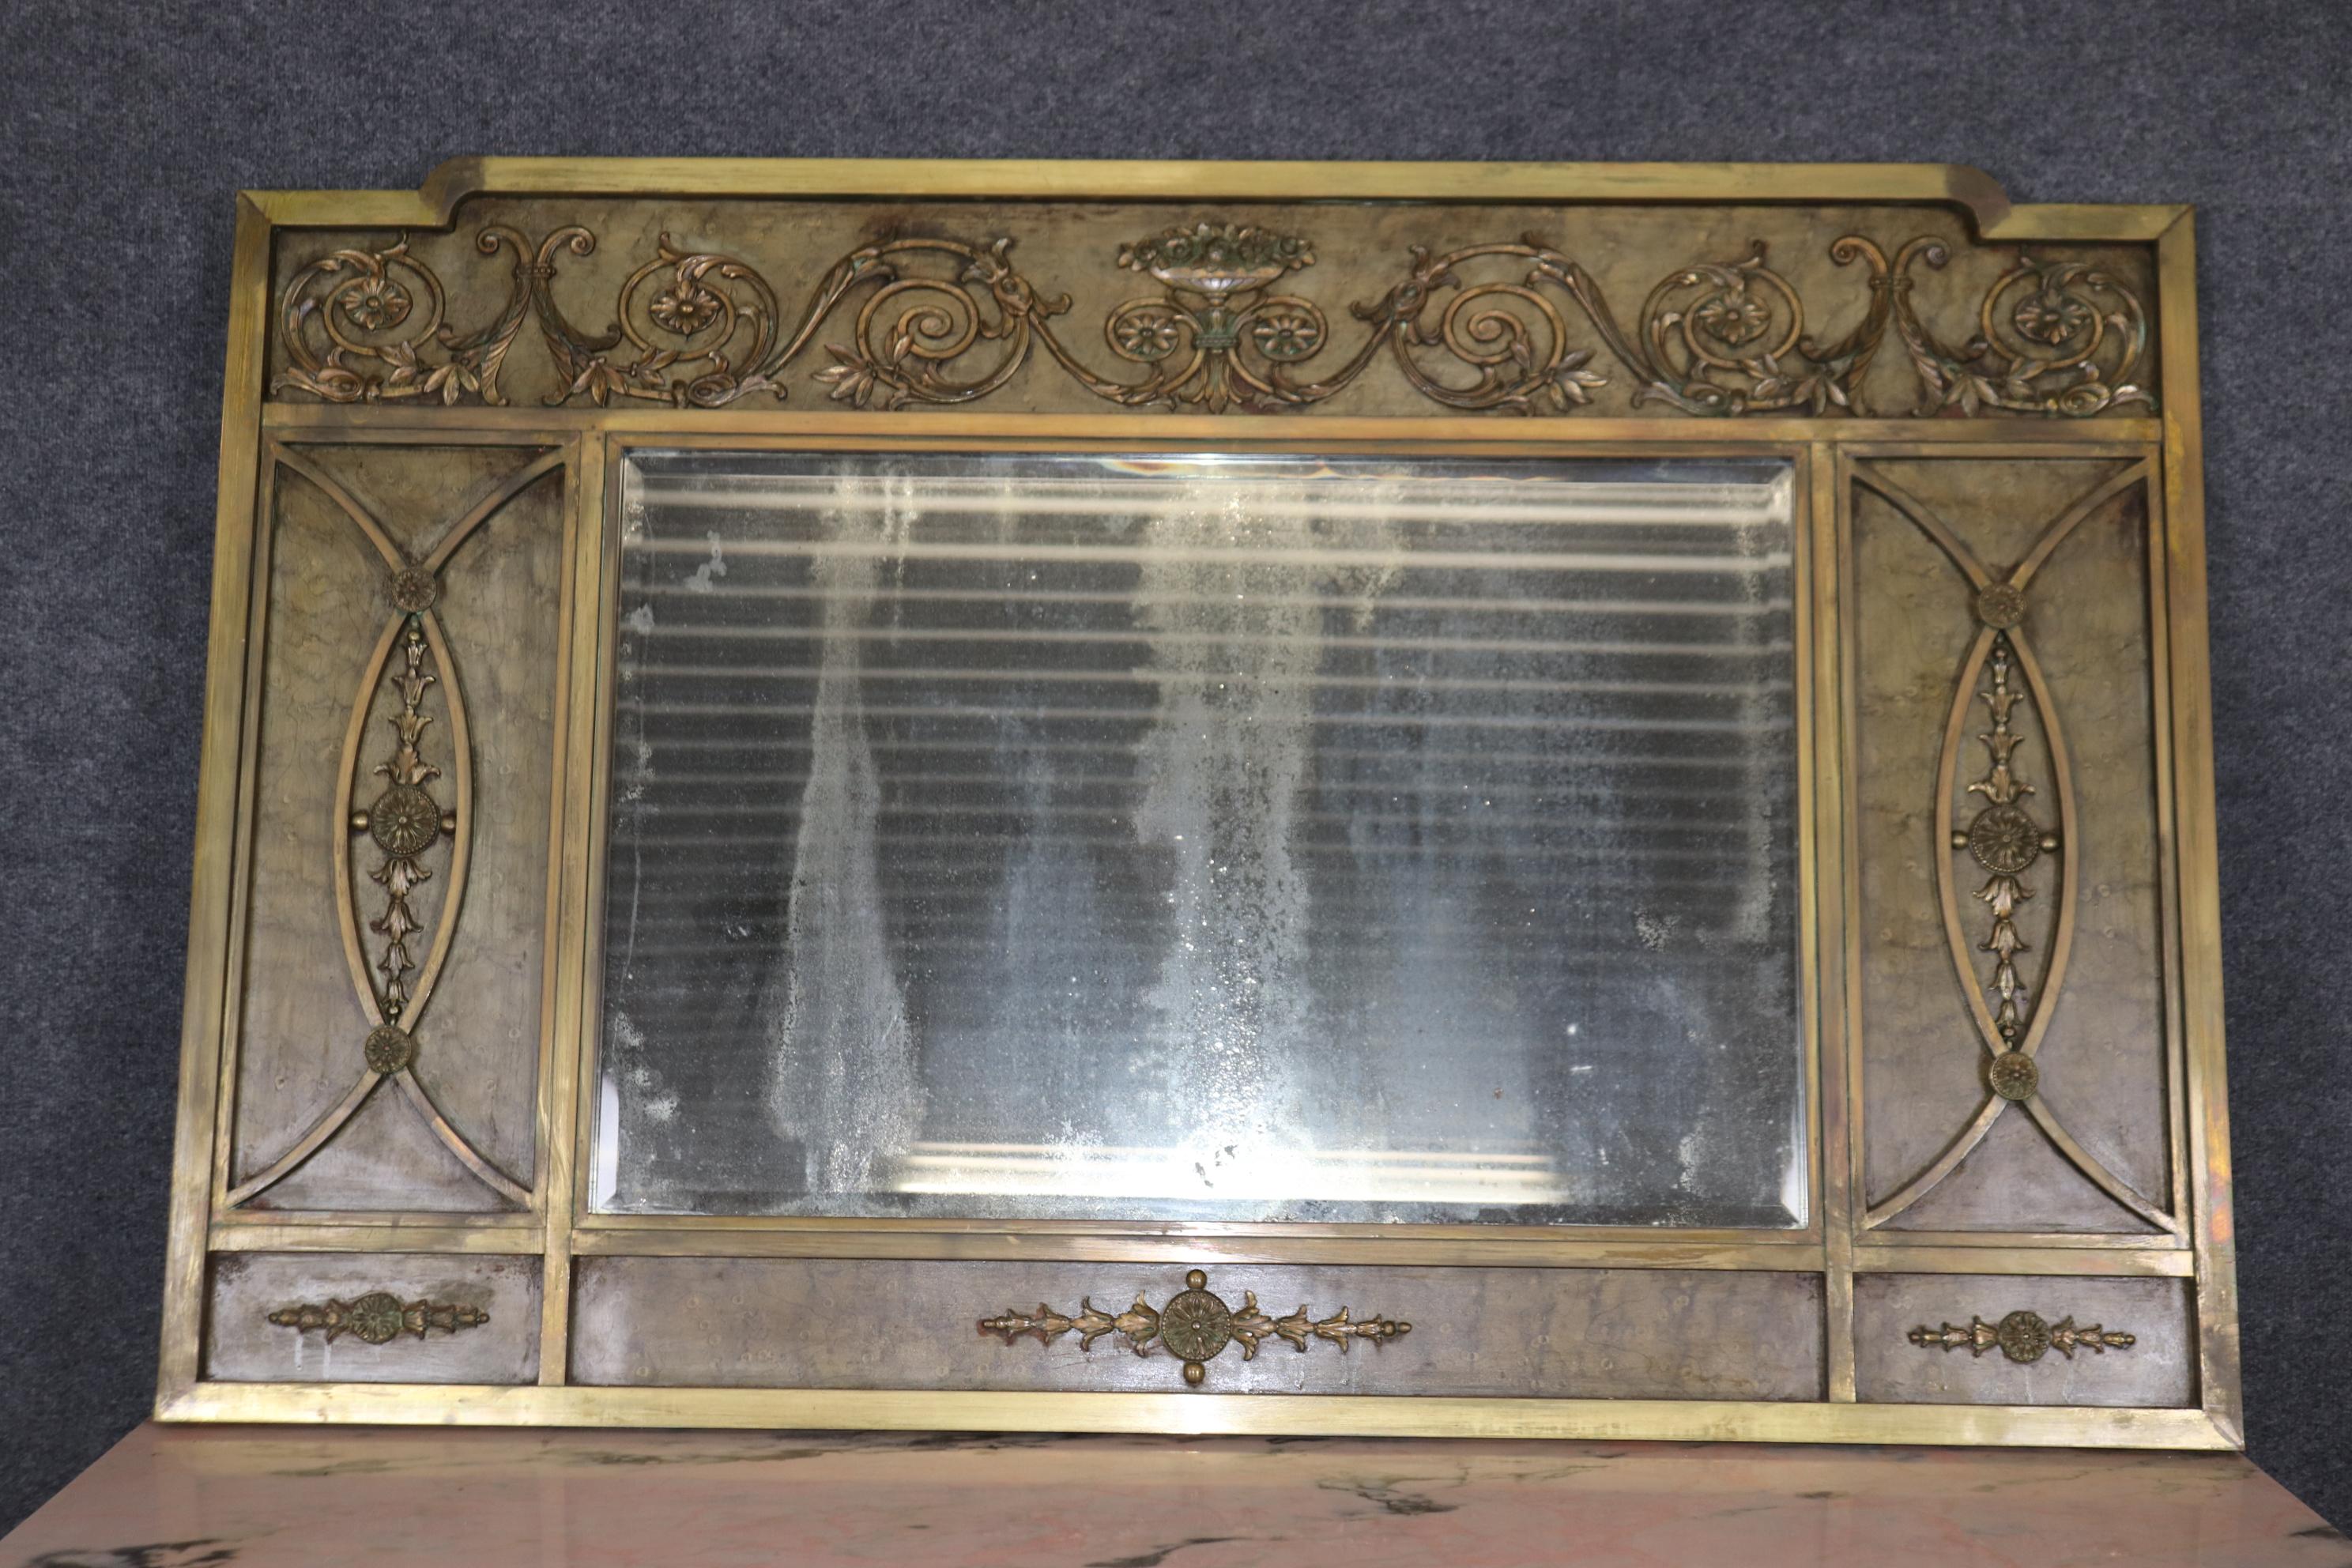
(127, 128)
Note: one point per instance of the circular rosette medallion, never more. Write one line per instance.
(2000, 606)
(1195, 1325)
(404, 821)
(2023, 1336)
(2004, 840)
(415, 589)
(388, 1049)
(2013, 1076)
(376, 1318)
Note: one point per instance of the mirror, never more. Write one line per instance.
(1203, 837)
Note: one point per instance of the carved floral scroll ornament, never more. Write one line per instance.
(1194, 1326)
(2053, 338)
(1481, 327)
(2008, 844)
(403, 827)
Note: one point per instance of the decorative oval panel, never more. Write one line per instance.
(2002, 866)
(396, 856)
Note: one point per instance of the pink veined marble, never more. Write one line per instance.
(295, 1498)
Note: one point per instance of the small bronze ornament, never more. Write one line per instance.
(403, 820)
(2004, 840)
(2000, 606)
(1217, 259)
(2013, 1076)
(415, 589)
(1194, 1326)
(377, 1318)
(389, 1050)
(2023, 1337)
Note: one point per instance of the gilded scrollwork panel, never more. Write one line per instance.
(1234, 323)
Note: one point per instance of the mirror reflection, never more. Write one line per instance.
(1202, 837)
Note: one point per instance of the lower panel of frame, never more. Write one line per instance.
(386, 1317)
(885, 1325)
(1974, 1338)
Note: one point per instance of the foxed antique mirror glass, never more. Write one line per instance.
(1202, 837)
(1295, 798)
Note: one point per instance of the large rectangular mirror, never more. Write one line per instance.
(1203, 837)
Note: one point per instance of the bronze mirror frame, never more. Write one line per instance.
(1987, 408)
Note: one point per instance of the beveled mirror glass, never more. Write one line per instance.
(1223, 837)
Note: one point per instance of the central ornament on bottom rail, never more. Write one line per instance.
(1193, 1326)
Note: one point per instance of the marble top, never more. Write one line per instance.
(304, 1498)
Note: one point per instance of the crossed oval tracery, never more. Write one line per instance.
(2005, 840)
(403, 820)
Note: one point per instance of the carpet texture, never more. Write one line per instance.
(127, 127)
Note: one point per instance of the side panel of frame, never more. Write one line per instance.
(218, 789)
(2199, 871)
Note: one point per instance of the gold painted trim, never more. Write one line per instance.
(211, 894)
(2141, 1241)
(1198, 1415)
(506, 1238)
(1971, 190)
(954, 430)
(562, 1045)
(1826, 871)
(2198, 879)
(1797, 1255)
(2141, 1263)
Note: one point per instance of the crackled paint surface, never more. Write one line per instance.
(254, 1498)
